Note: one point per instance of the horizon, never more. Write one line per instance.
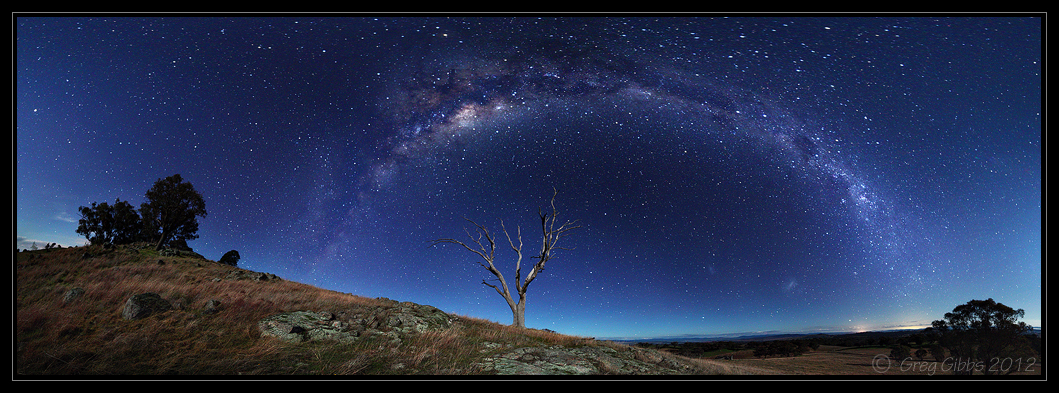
(718, 336)
(730, 173)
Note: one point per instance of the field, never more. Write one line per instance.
(856, 361)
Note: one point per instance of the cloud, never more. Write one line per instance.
(64, 216)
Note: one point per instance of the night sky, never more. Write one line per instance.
(731, 173)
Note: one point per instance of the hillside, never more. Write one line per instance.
(74, 316)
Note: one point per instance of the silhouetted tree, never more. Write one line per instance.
(930, 335)
(921, 353)
(230, 258)
(171, 210)
(787, 348)
(983, 331)
(885, 341)
(550, 237)
(105, 223)
(900, 352)
(938, 352)
(764, 350)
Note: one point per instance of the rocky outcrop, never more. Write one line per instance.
(582, 360)
(390, 321)
(240, 274)
(393, 322)
(300, 326)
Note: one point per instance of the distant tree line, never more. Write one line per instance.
(761, 349)
(981, 336)
(168, 217)
(695, 349)
(786, 348)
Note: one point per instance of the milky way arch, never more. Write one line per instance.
(459, 100)
(437, 106)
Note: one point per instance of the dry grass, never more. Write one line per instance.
(840, 361)
(725, 367)
(89, 337)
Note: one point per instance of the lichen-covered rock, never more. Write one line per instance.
(143, 305)
(300, 326)
(72, 295)
(390, 321)
(240, 274)
(584, 360)
(418, 318)
(212, 306)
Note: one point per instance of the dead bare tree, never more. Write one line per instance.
(550, 236)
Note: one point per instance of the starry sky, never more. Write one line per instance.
(731, 173)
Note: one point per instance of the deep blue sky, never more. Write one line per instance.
(731, 174)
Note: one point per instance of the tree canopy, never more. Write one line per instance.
(105, 223)
(169, 216)
(172, 209)
(981, 332)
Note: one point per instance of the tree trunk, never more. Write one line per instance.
(519, 314)
(158, 246)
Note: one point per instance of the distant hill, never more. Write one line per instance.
(784, 336)
(764, 336)
(130, 312)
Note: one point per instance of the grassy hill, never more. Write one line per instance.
(69, 321)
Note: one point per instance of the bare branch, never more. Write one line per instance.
(519, 229)
(454, 241)
(550, 236)
(518, 251)
(494, 287)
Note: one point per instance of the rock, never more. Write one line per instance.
(72, 294)
(212, 306)
(418, 318)
(583, 360)
(301, 326)
(240, 274)
(143, 305)
(180, 245)
(388, 322)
